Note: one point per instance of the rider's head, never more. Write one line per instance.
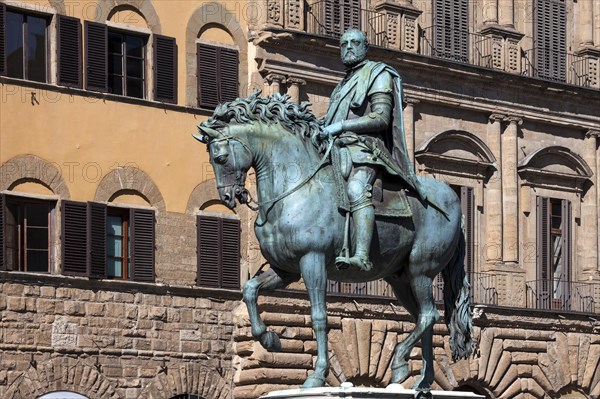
(353, 47)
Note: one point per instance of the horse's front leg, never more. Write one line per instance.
(270, 279)
(312, 267)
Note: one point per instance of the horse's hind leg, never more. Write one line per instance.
(270, 279)
(312, 266)
(416, 294)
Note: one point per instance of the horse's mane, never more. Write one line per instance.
(296, 118)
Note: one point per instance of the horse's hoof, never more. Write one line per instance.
(270, 341)
(314, 381)
(400, 373)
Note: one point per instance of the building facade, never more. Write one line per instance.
(120, 271)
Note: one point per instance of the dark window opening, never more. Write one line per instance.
(118, 247)
(27, 235)
(126, 64)
(26, 46)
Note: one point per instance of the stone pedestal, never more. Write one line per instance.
(348, 391)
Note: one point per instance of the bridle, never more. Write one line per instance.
(239, 180)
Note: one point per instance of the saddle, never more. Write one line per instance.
(389, 196)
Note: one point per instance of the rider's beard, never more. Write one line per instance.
(351, 59)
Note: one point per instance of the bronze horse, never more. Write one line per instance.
(301, 230)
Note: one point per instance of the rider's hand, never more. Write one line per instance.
(332, 130)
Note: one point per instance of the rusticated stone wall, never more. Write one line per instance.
(109, 339)
(519, 353)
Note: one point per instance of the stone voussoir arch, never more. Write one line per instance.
(62, 374)
(214, 14)
(31, 168)
(190, 379)
(129, 179)
(144, 7)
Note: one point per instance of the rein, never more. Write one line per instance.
(302, 183)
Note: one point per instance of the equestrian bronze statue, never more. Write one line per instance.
(356, 190)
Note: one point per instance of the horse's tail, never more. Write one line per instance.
(457, 300)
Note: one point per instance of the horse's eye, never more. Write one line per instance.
(221, 159)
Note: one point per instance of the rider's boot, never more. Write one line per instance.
(363, 220)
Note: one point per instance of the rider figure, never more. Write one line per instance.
(365, 116)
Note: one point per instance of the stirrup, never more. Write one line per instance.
(361, 262)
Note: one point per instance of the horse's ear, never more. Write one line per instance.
(201, 138)
(211, 133)
(255, 94)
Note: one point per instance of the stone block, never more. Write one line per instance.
(74, 308)
(15, 304)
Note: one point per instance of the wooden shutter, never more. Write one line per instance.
(450, 30)
(165, 68)
(142, 244)
(74, 238)
(2, 227)
(218, 252)
(467, 203)
(96, 232)
(208, 82)
(339, 16)
(550, 39)
(209, 251)
(2, 39)
(96, 56)
(218, 71)
(230, 258)
(228, 74)
(543, 253)
(564, 284)
(69, 51)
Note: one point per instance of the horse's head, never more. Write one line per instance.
(231, 159)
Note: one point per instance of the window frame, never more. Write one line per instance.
(21, 227)
(124, 215)
(84, 236)
(124, 33)
(25, 37)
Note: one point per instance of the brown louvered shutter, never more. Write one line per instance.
(544, 256)
(550, 39)
(2, 227)
(566, 213)
(2, 39)
(339, 16)
(450, 30)
(96, 231)
(74, 238)
(228, 66)
(96, 56)
(209, 251)
(208, 83)
(230, 257)
(467, 203)
(165, 67)
(69, 51)
(142, 244)
(218, 71)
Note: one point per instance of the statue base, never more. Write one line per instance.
(347, 390)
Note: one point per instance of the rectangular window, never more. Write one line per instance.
(126, 64)
(108, 242)
(551, 39)
(218, 69)
(26, 234)
(117, 244)
(25, 45)
(218, 252)
(553, 253)
(339, 16)
(451, 30)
